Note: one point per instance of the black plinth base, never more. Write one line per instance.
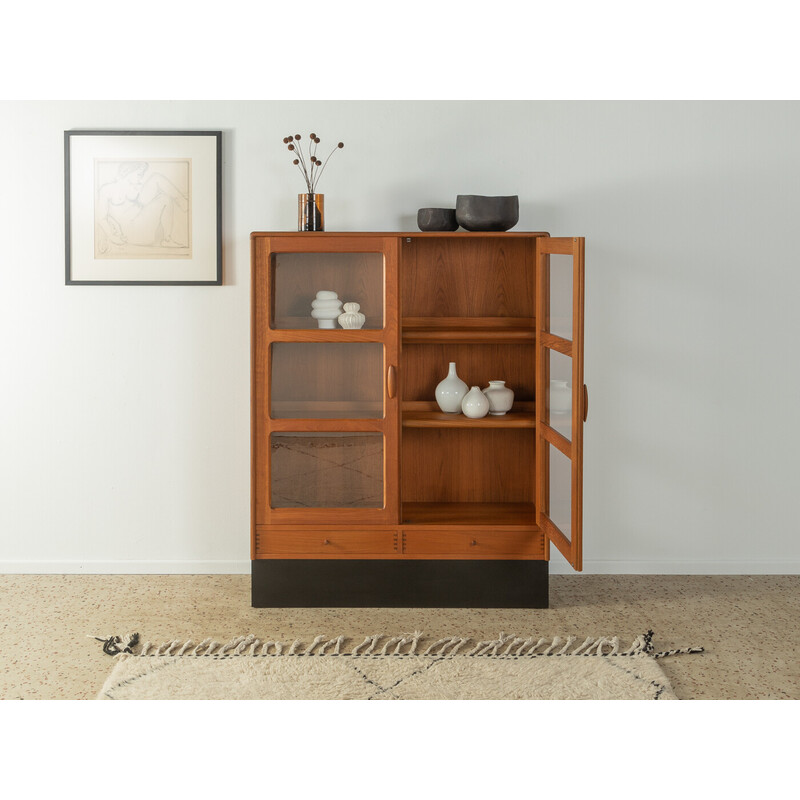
(325, 583)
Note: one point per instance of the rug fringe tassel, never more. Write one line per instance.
(310, 650)
(114, 645)
(204, 644)
(505, 646)
(337, 643)
(363, 644)
(373, 642)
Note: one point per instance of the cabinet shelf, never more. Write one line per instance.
(326, 335)
(469, 330)
(469, 514)
(307, 323)
(326, 409)
(428, 415)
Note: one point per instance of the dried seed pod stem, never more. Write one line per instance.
(305, 169)
(310, 166)
(312, 155)
(322, 169)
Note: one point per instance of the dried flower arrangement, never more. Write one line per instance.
(311, 167)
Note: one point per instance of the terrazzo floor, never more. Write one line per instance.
(748, 625)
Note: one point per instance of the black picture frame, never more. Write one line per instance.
(143, 207)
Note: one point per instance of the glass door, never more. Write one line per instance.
(331, 412)
(561, 398)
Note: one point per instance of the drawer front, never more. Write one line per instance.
(323, 543)
(483, 543)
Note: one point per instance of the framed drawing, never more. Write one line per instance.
(143, 207)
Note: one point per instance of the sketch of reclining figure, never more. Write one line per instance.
(141, 212)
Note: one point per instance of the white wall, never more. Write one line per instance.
(124, 411)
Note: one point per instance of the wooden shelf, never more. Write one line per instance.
(428, 415)
(434, 419)
(469, 514)
(307, 335)
(326, 409)
(471, 323)
(308, 323)
(469, 336)
(469, 330)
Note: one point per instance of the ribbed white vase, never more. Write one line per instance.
(351, 316)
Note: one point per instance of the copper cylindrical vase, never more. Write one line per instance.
(311, 212)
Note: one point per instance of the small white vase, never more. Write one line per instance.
(500, 397)
(325, 309)
(560, 397)
(450, 392)
(475, 404)
(352, 317)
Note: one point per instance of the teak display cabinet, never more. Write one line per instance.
(363, 492)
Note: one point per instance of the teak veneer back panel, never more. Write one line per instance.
(467, 277)
(467, 466)
(425, 365)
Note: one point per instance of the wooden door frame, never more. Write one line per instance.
(546, 436)
(262, 337)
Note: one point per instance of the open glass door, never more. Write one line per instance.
(561, 398)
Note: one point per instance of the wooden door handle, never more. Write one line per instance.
(585, 402)
(391, 381)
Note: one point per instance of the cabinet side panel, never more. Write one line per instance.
(259, 376)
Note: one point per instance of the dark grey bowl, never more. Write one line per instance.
(475, 212)
(437, 219)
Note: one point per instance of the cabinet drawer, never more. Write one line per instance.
(320, 542)
(483, 543)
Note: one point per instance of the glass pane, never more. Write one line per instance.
(326, 470)
(558, 410)
(561, 296)
(353, 277)
(560, 491)
(327, 380)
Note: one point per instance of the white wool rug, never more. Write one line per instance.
(388, 668)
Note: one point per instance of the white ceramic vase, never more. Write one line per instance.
(352, 317)
(325, 309)
(451, 391)
(560, 397)
(500, 397)
(475, 403)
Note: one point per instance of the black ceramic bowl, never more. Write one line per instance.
(475, 212)
(437, 219)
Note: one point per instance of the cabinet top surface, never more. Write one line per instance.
(407, 234)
